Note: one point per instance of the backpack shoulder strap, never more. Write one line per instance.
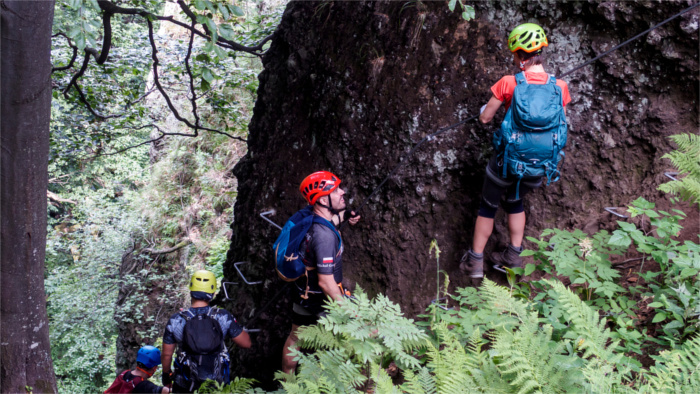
(320, 220)
(520, 78)
(212, 311)
(136, 381)
(551, 79)
(187, 315)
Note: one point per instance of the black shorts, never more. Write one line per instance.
(502, 191)
(307, 312)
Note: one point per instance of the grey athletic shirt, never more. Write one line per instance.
(321, 250)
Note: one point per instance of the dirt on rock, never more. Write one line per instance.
(351, 87)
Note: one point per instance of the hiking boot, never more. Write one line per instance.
(509, 258)
(472, 264)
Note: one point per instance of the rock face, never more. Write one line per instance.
(350, 87)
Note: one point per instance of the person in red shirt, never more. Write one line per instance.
(526, 42)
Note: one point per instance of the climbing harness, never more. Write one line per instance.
(430, 137)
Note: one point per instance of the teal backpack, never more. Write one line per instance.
(533, 132)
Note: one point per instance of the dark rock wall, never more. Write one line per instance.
(350, 87)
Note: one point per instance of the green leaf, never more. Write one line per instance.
(236, 10)
(529, 268)
(226, 31)
(80, 41)
(224, 11)
(527, 252)
(451, 5)
(620, 238)
(674, 324)
(579, 280)
(220, 52)
(688, 272)
(206, 74)
(203, 57)
(655, 305)
(661, 316)
(627, 226)
(74, 31)
(642, 203)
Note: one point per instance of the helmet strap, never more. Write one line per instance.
(148, 374)
(329, 207)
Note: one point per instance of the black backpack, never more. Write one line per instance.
(203, 355)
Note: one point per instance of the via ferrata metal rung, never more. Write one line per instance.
(224, 284)
(437, 302)
(235, 265)
(671, 175)
(264, 216)
(613, 210)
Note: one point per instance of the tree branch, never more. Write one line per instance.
(55, 197)
(162, 91)
(170, 250)
(255, 50)
(111, 9)
(193, 98)
(72, 59)
(162, 135)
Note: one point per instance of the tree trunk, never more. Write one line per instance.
(25, 352)
(351, 87)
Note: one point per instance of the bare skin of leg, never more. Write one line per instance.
(484, 228)
(516, 228)
(288, 363)
(482, 231)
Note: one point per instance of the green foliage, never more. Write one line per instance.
(467, 10)
(676, 370)
(507, 348)
(178, 190)
(687, 160)
(675, 290)
(356, 337)
(237, 386)
(587, 261)
(81, 288)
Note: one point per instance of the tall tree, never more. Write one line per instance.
(25, 352)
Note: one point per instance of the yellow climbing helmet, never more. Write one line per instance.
(528, 37)
(203, 280)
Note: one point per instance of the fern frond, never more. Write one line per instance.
(687, 160)
(316, 337)
(382, 381)
(678, 370)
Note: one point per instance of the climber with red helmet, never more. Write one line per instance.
(321, 252)
(508, 178)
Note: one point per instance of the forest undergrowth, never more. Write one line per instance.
(128, 223)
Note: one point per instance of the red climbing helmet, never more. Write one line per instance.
(318, 184)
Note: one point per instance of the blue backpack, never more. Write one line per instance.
(289, 265)
(533, 132)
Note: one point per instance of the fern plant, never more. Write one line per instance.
(687, 160)
(356, 337)
(676, 371)
(237, 386)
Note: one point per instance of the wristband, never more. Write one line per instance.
(167, 378)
